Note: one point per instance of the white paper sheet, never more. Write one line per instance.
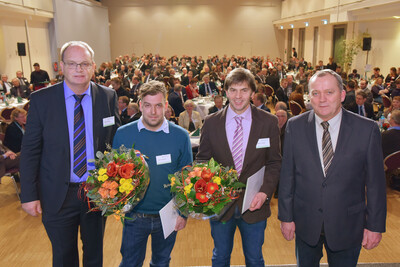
(168, 215)
(253, 186)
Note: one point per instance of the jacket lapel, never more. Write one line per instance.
(342, 142)
(312, 141)
(96, 111)
(222, 137)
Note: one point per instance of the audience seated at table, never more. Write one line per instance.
(192, 91)
(361, 106)
(218, 104)
(396, 89)
(19, 90)
(391, 77)
(15, 131)
(378, 90)
(133, 112)
(208, 87)
(395, 106)
(281, 92)
(123, 102)
(190, 119)
(391, 137)
(176, 99)
(259, 100)
(170, 115)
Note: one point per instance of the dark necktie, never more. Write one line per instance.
(361, 110)
(327, 149)
(79, 138)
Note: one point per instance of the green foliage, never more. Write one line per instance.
(347, 50)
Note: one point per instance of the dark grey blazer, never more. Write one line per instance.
(350, 198)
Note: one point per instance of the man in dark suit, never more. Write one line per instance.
(281, 92)
(133, 112)
(259, 101)
(391, 137)
(218, 104)
(361, 106)
(54, 163)
(332, 188)
(273, 79)
(21, 78)
(176, 99)
(123, 102)
(207, 87)
(243, 136)
(19, 89)
(15, 131)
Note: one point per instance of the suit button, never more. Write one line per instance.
(323, 185)
(320, 210)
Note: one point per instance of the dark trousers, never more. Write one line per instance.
(62, 229)
(309, 256)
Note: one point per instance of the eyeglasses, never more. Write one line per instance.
(83, 65)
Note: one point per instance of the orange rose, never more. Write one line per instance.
(113, 192)
(206, 174)
(197, 171)
(112, 169)
(103, 192)
(127, 170)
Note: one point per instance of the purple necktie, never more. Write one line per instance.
(79, 138)
(237, 146)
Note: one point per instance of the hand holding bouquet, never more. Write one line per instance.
(204, 189)
(119, 181)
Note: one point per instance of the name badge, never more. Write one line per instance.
(263, 143)
(163, 159)
(108, 121)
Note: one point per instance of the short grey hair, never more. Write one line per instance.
(77, 43)
(326, 72)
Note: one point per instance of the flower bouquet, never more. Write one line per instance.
(119, 181)
(204, 189)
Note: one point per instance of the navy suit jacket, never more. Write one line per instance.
(351, 197)
(45, 166)
(176, 103)
(202, 89)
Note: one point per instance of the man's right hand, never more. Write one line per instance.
(288, 229)
(33, 208)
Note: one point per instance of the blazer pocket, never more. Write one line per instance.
(356, 208)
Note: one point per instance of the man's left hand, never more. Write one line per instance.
(258, 201)
(180, 223)
(371, 239)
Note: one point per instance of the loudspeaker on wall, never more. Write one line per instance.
(367, 43)
(21, 49)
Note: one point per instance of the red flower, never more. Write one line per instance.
(112, 169)
(206, 174)
(200, 186)
(201, 197)
(126, 171)
(212, 187)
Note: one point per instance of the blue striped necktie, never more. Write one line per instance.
(79, 138)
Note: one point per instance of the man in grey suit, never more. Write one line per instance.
(332, 187)
(246, 137)
(67, 124)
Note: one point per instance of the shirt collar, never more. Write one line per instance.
(164, 127)
(69, 93)
(394, 127)
(333, 123)
(230, 114)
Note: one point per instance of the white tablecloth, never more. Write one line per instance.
(12, 102)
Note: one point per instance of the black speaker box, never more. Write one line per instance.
(366, 43)
(21, 49)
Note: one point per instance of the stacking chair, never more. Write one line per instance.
(387, 102)
(295, 108)
(26, 106)
(392, 162)
(269, 92)
(5, 114)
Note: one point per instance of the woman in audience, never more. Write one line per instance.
(15, 131)
(395, 105)
(192, 91)
(378, 90)
(190, 119)
(391, 77)
(170, 115)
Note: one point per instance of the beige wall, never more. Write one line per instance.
(214, 27)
